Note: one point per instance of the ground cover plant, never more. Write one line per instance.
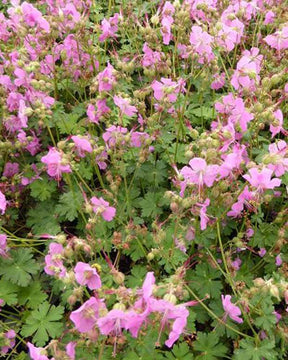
(144, 180)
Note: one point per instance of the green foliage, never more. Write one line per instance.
(206, 281)
(42, 189)
(20, 267)
(249, 350)
(210, 347)
(31, 296)
(180, 352)
(69, 205)
(151, 204)
(42, 219)
(8, 292)
(44, 323)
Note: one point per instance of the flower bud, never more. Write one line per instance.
(150, 256)
(259, 282)
(274, 291)
(171, 298)
(119, 306)
(118, 277)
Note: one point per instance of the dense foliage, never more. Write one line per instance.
(144, 179)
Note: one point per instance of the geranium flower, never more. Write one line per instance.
(82, 145)
(106, 78)
(3, 203)
(37, 353)
(3, 245)
(109, 27)
(199, 172)
(86, 275)
(278, 40)
(102, 207)
(85, 318)
(53, 261)
(55, 165)
(124, 106)
(261, 179)
(231, 310)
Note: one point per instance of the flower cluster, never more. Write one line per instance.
(143, 161)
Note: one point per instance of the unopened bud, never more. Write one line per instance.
(171, 298)
(118, 277)
(259, 282)
(119, 306)
(274, 291)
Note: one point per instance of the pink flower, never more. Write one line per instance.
(55, 164)
(279, 163)
(100, 159)
(166, 22)
(82, 145)
(109, 27)
(203, 216)
(70, 350)
(166, 89)
(199, 172)
(53, 261)
(230, 309)
(114, 134)
(278, 260)
(106, 79)
(230, 34)
(201, 42)
(278, 40)
(3, 245)
(138, 138)
(3, 203)
(85, 318)
(34, 17)
(124, 106)
(243, 198)
(246, 76)
(278, 128)
(86, 275)
(113, 322)
(37, 353)
(232, 161)
(11, 169)
(236, 264)
(218, 82)
(262, 252)
(94, 114)
(150, 57)
(148, 284)
(102, 207)
(269, 17)
(261, 179)
(178, 313)
(9, 341)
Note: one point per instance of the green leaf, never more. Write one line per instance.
(43, 323)
(138, 273)
(250, 351)
(153, 173)
(264, 236)
(204, 281)
(42, 219)
(8, 292)
(42, 189)
(31, 295)
(151, 203)
(180, 352)
(69, 205)
(19, 267)
(209, 346)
